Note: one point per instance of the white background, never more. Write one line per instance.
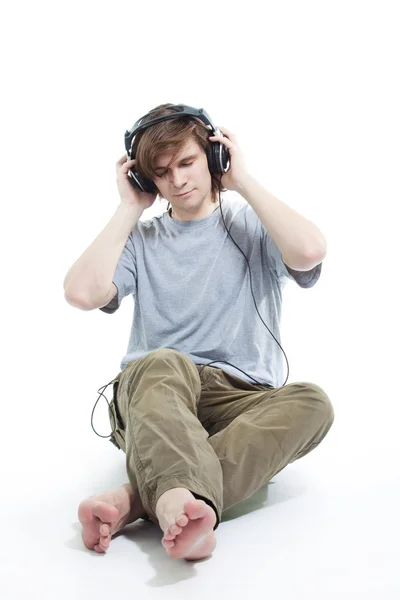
(311, 89)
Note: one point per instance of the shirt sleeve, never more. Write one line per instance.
(304, 279)
(125, 277)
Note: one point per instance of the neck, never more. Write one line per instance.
(212, 208)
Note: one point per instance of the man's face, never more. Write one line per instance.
(188, 173)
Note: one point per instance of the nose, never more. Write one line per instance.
(178, 180)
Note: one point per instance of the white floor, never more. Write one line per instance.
(326, 527)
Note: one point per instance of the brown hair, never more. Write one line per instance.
(171, 135)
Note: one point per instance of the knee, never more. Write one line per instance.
(179, 361)
(167, 354)
(321, 403)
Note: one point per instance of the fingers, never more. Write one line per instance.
(224, 140)
(124, 159)
(124, 163)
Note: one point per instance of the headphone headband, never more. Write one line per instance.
(182, 110)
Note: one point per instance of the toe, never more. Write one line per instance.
(99, 549)
(175, 529)
(168, 535)
(182, 520)
(105, 529)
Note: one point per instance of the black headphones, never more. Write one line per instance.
(218, 158)
(217, 153)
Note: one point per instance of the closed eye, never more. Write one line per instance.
(183, 164)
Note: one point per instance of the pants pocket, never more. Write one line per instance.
(115, 418)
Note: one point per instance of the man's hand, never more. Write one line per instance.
(237, 169)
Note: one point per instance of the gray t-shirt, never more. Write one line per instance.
(191, 290)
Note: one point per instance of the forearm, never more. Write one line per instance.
(90, 277)
(297, 238)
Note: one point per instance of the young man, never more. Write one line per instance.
(198, 438)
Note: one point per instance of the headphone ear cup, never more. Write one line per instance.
(217, 157)
(223, 156)
(210, 158)
(141, 183)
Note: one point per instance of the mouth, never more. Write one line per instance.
(183, 195)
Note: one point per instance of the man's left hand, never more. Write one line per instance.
(237, 169)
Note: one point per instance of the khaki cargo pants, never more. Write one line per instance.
(210, 432)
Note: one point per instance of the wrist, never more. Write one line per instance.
(242, 185)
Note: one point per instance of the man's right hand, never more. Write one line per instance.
(128, 193)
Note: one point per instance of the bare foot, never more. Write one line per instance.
(187, 524)
(103, 515)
